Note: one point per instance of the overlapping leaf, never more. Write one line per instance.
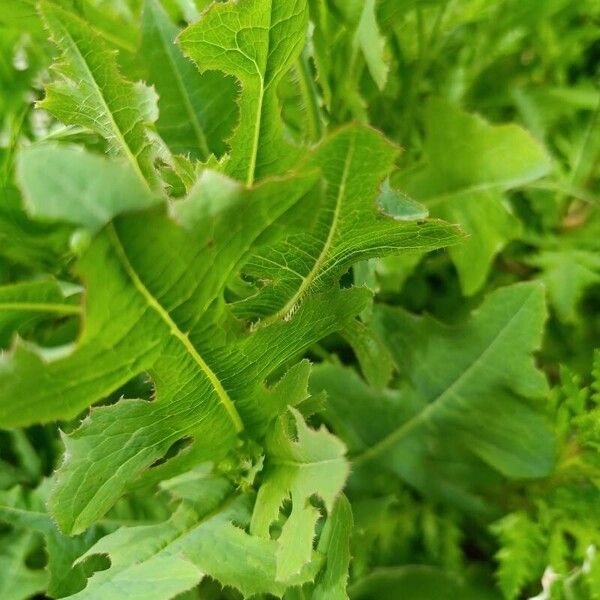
(466, 401)
(201, 539)
(197, 111)
(90, 195)
(22, 304)
(470, 165)
(310, 465)
(90, 92)
(256, 41)
(323, 238)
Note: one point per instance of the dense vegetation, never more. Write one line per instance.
(298, 298)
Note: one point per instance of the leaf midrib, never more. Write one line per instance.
(116, 129)
(258, 122)
(175, 331)
(54, 307)
(405, 429)
(306, 465)
(322, 258)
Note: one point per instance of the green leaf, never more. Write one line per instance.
(26, 512)
(519, 556)
(90, 92)
(337, 229)
(38, 247)
(470, 165)
(417, 582)
(67, 183)
(157, 562)
(171, 327)
(567, 273)
(256, 41)
(24, 304)
(19, 582)
(371, 353)
(298, 466)
(334, 544)
(197, 111)
(372, 44)
(467, 394)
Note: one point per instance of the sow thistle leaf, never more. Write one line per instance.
(334, 544)
(153, 304)
(342, 31)
(256, 41)
(337, 229)
(157, 562)
(77, 186)
(466, 401)
(471, 165)
(197, 111)
(567, 273)
(90, 92)
(26, 513)
(115, 269)
(24, 304)
(18, 581)
(310, 464)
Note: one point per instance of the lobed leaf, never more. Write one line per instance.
(256, 41)
(470, 165)
(90, 92)
(466, 401)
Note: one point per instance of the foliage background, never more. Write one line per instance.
(496, 107)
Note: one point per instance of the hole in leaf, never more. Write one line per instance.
(173, 451)
(36, 559)
(140, 387)
(95, 563)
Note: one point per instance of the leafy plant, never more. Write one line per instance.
(238, 360)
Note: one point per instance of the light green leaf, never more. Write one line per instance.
(400, 206)
(90, 92)
(337, 229)
(172, 327)
(256, 41)
(372, 44)
(298, 466)
(197, 111)
(67, 183)
(470, 165)
(157, 562)
(520, 556)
